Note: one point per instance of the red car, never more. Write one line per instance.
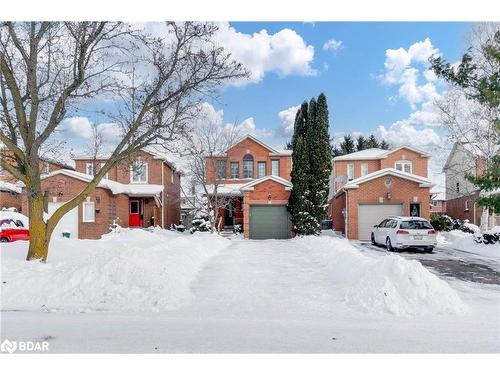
(13, 230)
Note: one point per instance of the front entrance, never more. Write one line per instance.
(229, 215)
(415, 209)
(136, 213)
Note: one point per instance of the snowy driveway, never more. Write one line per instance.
(268, 296)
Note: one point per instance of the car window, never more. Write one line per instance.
(382, 224)
(7, 223)
(19, 223)
(415, 224)
(394, 223)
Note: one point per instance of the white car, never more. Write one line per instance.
(401, 232)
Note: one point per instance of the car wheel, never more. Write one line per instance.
(388, 244)
(373, 240)
(3, 239)
(429, 250)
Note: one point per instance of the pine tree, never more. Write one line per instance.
(347, 145)
(372, 142)
(360, 143)
(384, 145)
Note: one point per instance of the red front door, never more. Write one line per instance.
(135, 213)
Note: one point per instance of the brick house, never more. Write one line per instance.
(461, 194)
(438, 202)
(255, 179)
(370, 185)
(11, 188)
(142, 195)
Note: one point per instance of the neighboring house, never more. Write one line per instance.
(438, 202)
(11, 188)
(141, 193)
(255, 179)
(371, 185)
(461, 194)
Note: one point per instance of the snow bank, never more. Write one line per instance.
(132, 270)
(465, 242)
(387, 284)
(5, 214)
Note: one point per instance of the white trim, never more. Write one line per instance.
(249, 187)
(366, 172)
(404, 162)
(84, 210)
(354, 184)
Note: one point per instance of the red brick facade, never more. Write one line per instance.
(343, 206)
(465, 208)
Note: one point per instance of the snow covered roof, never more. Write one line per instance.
(438, 196)
(354, 184)
(377, 153)
(13, 188)
(226, 189)
(249, 186)
(137, 190)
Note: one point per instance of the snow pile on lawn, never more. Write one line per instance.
(132, 270)
(465, 241)
(389, 284)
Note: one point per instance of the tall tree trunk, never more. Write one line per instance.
(39, 237)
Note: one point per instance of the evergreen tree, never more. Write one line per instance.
(384, 145)
(372, 142)
(360, 143)
(347, 145)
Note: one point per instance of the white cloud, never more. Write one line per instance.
(83, 128)
(284, 52)
(287, 120)
(402, 68)
(333, 45)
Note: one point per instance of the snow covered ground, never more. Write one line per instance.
(465, 241)
(170, 292)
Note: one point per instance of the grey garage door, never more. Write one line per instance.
(269, 221)
(371, 214)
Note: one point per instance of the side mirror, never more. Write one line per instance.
(375, 226)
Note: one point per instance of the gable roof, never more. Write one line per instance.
(354, 184)
(378, 153)
(280, 180)
(114, 186)
(272, 151)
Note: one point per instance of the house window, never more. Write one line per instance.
(46, 167)
(364, 169)
(88, 212)
(404, 166)
(221, 169)
(235, 169)
(466, 206)
(458, 187)
(248, 166)
(261, 168)
(139, 172)
(434, 203)
(89, 169)
(275, 167)
(106, 176)
(350, 171)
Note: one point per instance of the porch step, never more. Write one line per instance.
(227, 233)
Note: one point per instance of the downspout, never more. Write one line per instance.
(163, 195)
(346, 216)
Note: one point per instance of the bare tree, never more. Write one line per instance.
(48, 71)
(206, 146)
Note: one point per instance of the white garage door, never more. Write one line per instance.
(372, 214)
(68, 222)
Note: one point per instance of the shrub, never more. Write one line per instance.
(200, 224)
(441, 223)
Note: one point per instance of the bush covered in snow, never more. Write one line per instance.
(200, 224)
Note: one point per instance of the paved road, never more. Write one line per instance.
(450, 262)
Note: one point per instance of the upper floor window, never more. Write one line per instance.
(89, 169)
(364, 169)
(248, 166)
(434, 203)
(235, 169)
(458, 187)
(261, 169)
(221, 169)
(466, 206)
(404, 166)
(88, 212)
(139, 172)
(46, 167)
(350, 171)
(275, 167)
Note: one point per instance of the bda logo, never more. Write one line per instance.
(8, 346)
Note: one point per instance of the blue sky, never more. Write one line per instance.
(358, 101)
